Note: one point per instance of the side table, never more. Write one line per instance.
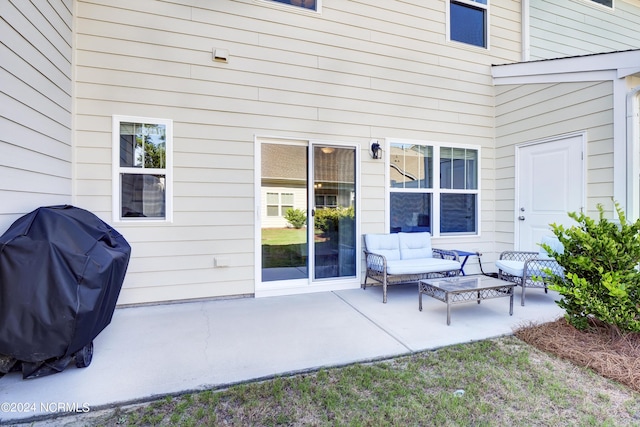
(465, 256)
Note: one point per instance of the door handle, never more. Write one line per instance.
(521, 217)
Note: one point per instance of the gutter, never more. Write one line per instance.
(526, 30)
(633, 153)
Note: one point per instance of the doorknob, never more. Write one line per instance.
(521, 217)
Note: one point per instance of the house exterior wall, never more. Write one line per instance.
(561, 28)
(36, 106)
(291, 74)
(534, 112)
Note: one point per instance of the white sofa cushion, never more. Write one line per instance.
(516, 268)
(415, 245)
(386, 245)
(554, 243)
(421, 265)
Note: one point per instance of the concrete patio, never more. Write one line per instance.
(151, 351)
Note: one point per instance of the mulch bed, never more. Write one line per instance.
(609, 353)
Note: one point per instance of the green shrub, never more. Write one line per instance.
(601, 280)
(329, 220)
(296, 217)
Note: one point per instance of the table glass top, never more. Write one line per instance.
(461, 283)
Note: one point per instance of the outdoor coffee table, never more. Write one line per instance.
(461, 289)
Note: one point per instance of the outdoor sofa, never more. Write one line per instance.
(405, 257)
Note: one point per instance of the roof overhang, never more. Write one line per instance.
(596, 67)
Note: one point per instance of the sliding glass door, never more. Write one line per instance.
(307, 212)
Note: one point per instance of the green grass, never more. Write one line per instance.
(505, 382)
(283, 236)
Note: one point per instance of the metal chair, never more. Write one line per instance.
(527, 269)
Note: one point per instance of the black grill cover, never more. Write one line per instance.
(61, 271)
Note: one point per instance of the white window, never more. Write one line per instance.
(313, 5)
(469, 21)
(279, 203)
(433, 187)
(142, 168)
(607, 3)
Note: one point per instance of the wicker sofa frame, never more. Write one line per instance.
(377, 270)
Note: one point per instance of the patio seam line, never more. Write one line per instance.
(399, 341)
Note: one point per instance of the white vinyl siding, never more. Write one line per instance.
(561, 28)
(388, 73)
(537, 111)
(35, 104)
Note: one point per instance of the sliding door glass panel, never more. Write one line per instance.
(284, 196)
(334, 212)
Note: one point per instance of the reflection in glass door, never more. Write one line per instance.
(334, 212)
(284, 198)
(307, 194)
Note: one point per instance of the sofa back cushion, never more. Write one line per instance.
(415, 245)
(554, 243)
(383, 244)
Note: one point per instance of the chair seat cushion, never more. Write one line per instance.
(516, 268)
(421, 265)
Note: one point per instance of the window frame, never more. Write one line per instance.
(118, 170)
(281, 205)
(435, 189)
(487, 20)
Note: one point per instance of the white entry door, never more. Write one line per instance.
(550, 184)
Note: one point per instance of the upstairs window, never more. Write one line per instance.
(468, 21)
(607, 3)
(142, 158)
(305, 4)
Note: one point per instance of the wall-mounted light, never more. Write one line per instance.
(327, 150)
(376, 150)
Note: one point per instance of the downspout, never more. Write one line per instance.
(633, 153)
(526, 30)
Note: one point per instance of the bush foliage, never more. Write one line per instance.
(330, 219)
(296, 217)
(601, 280)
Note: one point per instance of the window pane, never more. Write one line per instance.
(143, 195)
(411, 166)
(284, 209)
(608, 3)
(467, 24)
(410, 212)
(143, 145)
(307, 4)
(471, 166)
(272, 198)
(272, 210)
(287, 198)
(458, 213)
(458, 168)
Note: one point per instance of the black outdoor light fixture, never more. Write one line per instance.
(376, 150)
